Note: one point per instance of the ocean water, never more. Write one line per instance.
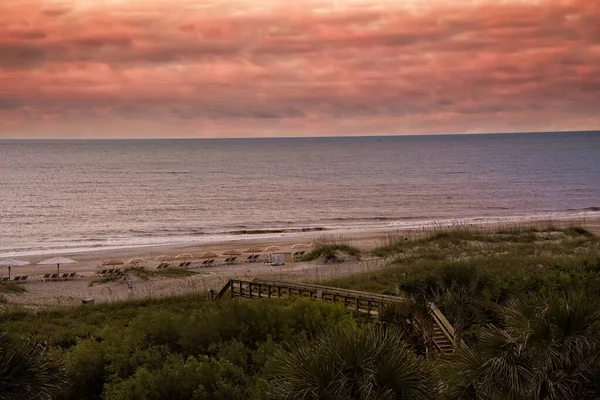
(79, 195)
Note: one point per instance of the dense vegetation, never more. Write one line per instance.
(526, 304)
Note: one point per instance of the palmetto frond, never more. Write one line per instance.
(346, 362)
(25, 371)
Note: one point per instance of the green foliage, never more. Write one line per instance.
(330, 252)
(469, 275)
(26, 372)
(114, 349)
(547, 349)
(349, 362)
(202, 378)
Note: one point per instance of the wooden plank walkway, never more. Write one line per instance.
(370, 303)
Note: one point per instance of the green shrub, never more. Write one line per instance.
(201, 378)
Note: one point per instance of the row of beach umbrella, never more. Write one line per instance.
(136, 261)
(51, 261)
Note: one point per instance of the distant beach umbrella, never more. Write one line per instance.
(164, 257)
(299, 246)
(208, 254)
(254, 250)
(112, 262)
(136, 261)
(184, 256)
(232, 253)
(57, 261)
(273, 248)
(12, 263)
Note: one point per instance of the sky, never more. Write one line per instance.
(264, 68)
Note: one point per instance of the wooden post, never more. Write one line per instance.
(278, 291)
(250, 289)
(269, 291)
(357, 304)
(259, 290)
(369, 307)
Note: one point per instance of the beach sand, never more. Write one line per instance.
(48, 294)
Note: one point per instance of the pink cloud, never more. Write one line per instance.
(186, 68)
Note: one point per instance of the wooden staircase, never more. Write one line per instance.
(370, 303)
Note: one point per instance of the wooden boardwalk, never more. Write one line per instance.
(370, 303)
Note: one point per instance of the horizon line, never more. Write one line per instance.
(303, 137)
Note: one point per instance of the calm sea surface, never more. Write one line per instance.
(90, 194)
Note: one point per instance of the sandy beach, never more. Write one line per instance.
(46, 294)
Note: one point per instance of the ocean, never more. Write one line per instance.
(58, 196)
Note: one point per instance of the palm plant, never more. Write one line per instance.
(349, 362)
(25, 371)
(549, 349)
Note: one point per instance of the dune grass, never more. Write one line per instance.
(523, 254)
(330, 252)
(9, 287)
(143, 274)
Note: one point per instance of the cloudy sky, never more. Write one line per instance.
(210, 68)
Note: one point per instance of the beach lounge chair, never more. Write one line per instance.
(5, 279)
(65, 277)
(73, 275)
(230, 260)
(20, 279)
(45, 277)
(162, 265)
(54, 277)
(16, 278)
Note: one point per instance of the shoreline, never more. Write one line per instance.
(253, 236)
(40, 294)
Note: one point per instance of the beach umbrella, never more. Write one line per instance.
(273, 248)
(299, 246)
(164, 257)
(184, 256)
(12, 263)
(136, 261)
(112, 262)
(232, 253)
(57, 261)
(254, 250)
(208, 254)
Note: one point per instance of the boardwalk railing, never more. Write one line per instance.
(370, 303)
